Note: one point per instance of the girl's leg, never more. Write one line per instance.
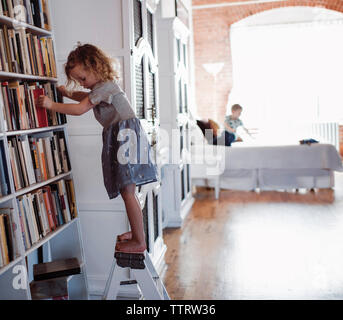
(127, 235)
(134, 213)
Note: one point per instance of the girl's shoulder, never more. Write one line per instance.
(104, 91)
(107, 86)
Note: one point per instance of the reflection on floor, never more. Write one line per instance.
(259, 245)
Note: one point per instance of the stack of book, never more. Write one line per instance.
(5, 188)
(19, 101)
(34, 12)
(51, 279)
(8, 245)
(37, 158)
(26, 53)
(44, 210)
(21, 50)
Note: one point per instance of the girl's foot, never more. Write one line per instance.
(131, 246)
(125, 236)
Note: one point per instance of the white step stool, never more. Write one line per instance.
(144, 273)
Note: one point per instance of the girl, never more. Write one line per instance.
(89, 67)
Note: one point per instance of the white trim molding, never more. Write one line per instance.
(143, 48)
(230, 4)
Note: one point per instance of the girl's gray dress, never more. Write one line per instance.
(126, 153)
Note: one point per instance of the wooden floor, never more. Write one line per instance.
(267, 245)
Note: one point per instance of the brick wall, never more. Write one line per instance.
(212, 44)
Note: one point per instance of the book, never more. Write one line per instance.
(71, 197)
(62, 193)
(4, 178)
(41, 112)
(28, 159)
(53, 206)
(35, 159)
(49, 209)
(34, 213)
(50, 289)
(23, 225)
(15, 164)
(49, 157)
(3, 54)
(22, 162)
(8, 105)
(10, 229)
(46, 15)
(55, 269)
(43, 212)
(35, 205)
(36, 13)
(3, 242)
(42, 159)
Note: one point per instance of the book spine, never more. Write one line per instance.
(48, 154)
(34, 155)
(43, 212)
(30, 220)
(32, 211)
(14, 165)
(3, 181)
(14, 173)
(48, 210)
(24, 222)
(3, 51)
(10, 228)
(3, 242)
(42, 159)
(28, 161)
(9, 115)
(33, 204)
(22, 162)
(53, 206)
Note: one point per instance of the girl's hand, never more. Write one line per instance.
(64, 91)
(44, 102)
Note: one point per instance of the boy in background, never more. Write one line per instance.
(231, 123)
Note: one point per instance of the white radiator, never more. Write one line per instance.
(326, 132)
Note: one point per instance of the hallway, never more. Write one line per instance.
(250, 245)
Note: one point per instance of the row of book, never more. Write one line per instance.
(19, 101)
(8, 243)
(5, 188)
(26, 53)
(37, 158)
(44, 210)
(34, 12)
(40, 212)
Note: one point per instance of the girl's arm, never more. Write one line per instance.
(76, 95)
(74, 109)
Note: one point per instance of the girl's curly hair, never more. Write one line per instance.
(93, 59)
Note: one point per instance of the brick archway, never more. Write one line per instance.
(212, 44)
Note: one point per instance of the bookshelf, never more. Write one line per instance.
(44, 223)
(175, 92)
(133, 42)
